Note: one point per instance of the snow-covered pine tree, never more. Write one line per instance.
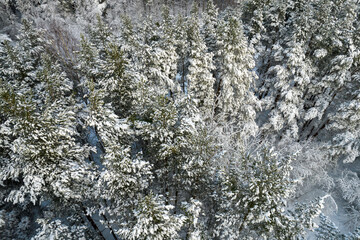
(264, 25)
(211, 17)
(291, 81)
(345, 75)
(60, 230)
(130, 39)
(177, 143)
(284, 69)
(333, 59)
(196, 150)
(195, 224)
(100, 35)
(346, 143)
(43, 153)
(153, 220)
(159, 57)
(199, 77)
(328, 230)
(168, 43)
(235, 99)
(182, 51)
(118, 81)
(254, 198)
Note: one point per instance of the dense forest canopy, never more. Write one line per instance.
(180, 119)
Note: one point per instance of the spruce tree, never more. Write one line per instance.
(42, 149)
(234, 96)
(199, 76)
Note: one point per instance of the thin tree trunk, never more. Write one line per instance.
(245, 218)
(183, 76)
(93, 224)
(109, 226)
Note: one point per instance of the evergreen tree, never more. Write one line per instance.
(199, 76)
(328, 230)
(291, 82)
(159, 63)
(39, 136)
(253, 199)
(211, 17)
(234, 96)
(153, 221)
(182, 51)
